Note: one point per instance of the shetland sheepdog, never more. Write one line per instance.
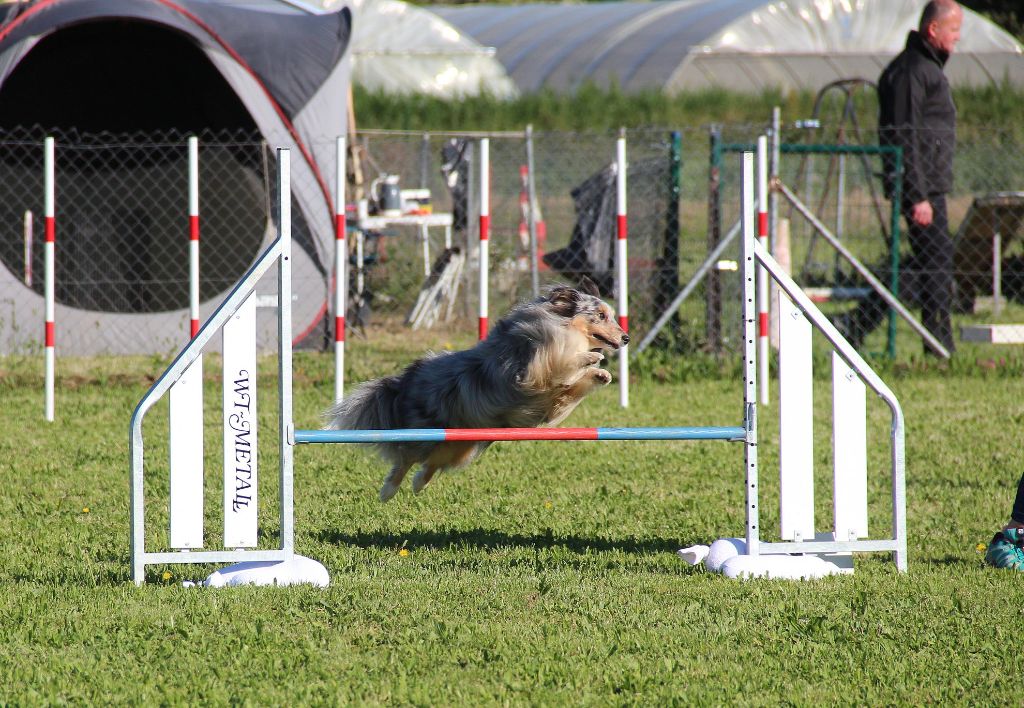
(535, 366)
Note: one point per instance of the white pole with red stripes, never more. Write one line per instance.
(193, 235)
(185, 399)
(51, 232)
(340, 272)
(763, 301)
(485, 228)
(623, 281)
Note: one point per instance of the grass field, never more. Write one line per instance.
(545, 574)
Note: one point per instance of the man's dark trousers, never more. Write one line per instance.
(926, 276)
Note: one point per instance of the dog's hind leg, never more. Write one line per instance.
(423, 477)
(394, 480)
(444, 456)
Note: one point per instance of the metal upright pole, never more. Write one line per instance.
(284, 296)
(531, 212)
(748, 271)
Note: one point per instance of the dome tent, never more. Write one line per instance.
(149, 67)
(744, 45)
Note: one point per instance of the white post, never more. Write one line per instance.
(849, 452)
(997, 273)
(50, 335)
(485, 228)
(240, 425)
(796, 424)
(774, 228)
(360, 271)
(425, 238)
(763, 301)
(193, 234)
(623, 279)
(28, 248)
(340, 273)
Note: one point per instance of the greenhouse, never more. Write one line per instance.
(676, 45)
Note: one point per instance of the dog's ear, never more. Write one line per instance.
(564, 300)
(589, 286)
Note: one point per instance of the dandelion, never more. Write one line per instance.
(404, 552)
(167, 575)
(980, 547)
(85, 510)
(547, 505)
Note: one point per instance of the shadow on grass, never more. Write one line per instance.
(950, 561)
(489, 539)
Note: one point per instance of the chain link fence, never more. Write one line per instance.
(122, 230)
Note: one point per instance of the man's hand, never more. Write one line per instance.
(921, 213)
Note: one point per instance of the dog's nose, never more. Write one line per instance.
(625, 339)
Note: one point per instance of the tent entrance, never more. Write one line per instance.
(122, 196)
(119, 76)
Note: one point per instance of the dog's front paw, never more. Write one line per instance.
(602, 377)
(591, 359)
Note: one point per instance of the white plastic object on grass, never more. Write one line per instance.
(693, 554)
(297, 571)
(799, 567)
(722, 550)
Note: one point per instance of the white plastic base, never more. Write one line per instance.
(296, 571)
(728, 557)
(804, 567)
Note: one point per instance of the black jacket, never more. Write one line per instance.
(916, 112)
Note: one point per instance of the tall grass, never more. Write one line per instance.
(592, 108)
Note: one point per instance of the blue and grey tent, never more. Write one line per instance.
(121, 84)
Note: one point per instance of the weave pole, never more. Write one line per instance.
(193, 235)
(49, 185)
(340, 273)
(623, 271)
(763, 301)
(485, 228)
(185, 408)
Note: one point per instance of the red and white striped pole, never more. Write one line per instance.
(763, 302)
(623, 281)
(51, 233)
(485, 227)
(340, 273)
(193, 235)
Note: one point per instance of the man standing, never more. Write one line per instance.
(916, 113)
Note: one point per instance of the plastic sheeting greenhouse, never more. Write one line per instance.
(746, 45)
(401, 48)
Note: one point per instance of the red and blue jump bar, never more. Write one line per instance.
(736, 434)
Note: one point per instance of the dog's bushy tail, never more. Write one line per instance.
(369, 406)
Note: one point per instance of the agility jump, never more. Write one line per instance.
(799, 536)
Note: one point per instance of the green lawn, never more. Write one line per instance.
(544, 574)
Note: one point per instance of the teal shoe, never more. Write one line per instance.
(1006, 550)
